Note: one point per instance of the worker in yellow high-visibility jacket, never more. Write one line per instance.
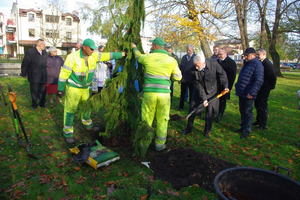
(75, 78)
(160, 69)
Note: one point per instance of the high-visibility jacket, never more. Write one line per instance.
(76, 73)
(160, 69)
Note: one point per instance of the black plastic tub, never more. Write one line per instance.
(245, 183)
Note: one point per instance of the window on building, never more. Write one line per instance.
(68, 21)
(30, 17)
(68, 35)
(31, 33)
(52, 34)
(52, 18)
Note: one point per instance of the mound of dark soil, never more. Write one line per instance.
(185, 167)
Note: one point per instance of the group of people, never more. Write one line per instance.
(203, 78)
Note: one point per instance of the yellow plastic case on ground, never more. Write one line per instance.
(99, 156)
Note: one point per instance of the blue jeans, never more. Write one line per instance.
(246, 110)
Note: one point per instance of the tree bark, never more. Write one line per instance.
(193, 15)
(241, 12)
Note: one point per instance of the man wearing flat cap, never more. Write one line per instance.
(160, 70)
(75, 78)
(251, 78)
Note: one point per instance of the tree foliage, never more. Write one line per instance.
(122, 108)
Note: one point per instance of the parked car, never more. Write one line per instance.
(297, 65)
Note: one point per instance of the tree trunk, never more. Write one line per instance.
(193, 15)
(206, 49)
(241, 12)
(276, 60)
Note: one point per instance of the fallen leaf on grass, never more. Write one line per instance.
(77, 168)
(204, 197)
(81, 180)
(144, 197)
(169, 191)
(44, 131)
(160, 192)
(111, 189)
(44, 178)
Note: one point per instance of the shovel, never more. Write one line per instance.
(17, 121)
(210, 101)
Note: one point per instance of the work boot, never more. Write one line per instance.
(239, 130)
(70, 140)
(206, 135)
(161, 148)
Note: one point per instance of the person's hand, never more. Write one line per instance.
(60, 94)
(249, 96)
(226, 89)
(179, 82)
(133, 45)
(205, 103)
(124, 54)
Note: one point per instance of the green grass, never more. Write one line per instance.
(55, 176)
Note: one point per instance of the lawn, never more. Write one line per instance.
(55, 176)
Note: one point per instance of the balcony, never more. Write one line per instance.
(11, 23)
(11, 39)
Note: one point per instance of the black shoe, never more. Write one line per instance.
(244, 136)
(43, 106)
(218, 119)
(33, 107)
(185, 131)
(261, 128)
(206, 135)
(256, 123)
(239, 130)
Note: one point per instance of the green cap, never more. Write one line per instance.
(90, 43)
(160, 42)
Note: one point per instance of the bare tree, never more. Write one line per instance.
(281, 7)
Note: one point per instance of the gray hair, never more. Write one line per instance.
(52, 48)
(197, 58)
(190, 46)
(262, 50)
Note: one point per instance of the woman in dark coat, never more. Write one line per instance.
(54, 63)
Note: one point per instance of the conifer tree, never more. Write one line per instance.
(123, 108)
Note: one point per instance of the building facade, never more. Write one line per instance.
(26, 26)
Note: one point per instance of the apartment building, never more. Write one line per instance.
(25, 26)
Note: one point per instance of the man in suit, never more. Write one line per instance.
(34, 66)
(230, 68)
(261, 101)
(204, 75)
(186, 81)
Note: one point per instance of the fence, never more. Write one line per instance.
(10, 69)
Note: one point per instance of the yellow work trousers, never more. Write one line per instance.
(74, 98)
(157, 105)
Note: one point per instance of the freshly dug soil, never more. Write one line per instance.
(186, 167)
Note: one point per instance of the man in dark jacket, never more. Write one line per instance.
(249, 82)
(186, 81)
(34, 67)
(261, 101)
(204, 74)
(230, 68)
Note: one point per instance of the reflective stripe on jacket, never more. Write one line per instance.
(75, 73)
(160, 69)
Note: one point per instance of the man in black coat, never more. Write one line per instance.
(261, 102)
(230, 68)
(34, 66)
(204, 74)
(186, 81)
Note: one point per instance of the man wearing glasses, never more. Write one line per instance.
(75, 78)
